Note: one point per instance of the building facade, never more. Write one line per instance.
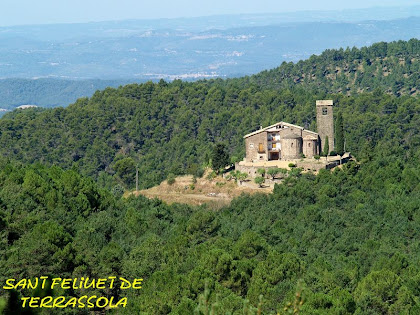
(284, 141)
(281, 141)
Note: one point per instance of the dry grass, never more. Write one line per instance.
(216, 193)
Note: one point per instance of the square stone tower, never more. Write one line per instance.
(325, 123)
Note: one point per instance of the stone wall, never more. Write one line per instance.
(291, 148)
(251, 147)
(325, 123)
(306, 164)
(250, 170)
(310, 147)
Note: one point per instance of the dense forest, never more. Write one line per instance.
(49, 92)
(347, 240)
(392, 67)
(341, 242)
(171, 128)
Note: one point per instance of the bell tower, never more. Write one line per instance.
(325, 123)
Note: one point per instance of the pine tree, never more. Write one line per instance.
(220, 158)
(339, 135)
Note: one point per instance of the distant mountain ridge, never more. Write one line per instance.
(201, 23)
(188, 48)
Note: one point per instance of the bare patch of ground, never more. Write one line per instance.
(216, 193)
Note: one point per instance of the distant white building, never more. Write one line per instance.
(25, 106)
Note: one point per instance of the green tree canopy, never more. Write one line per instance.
(220, 157)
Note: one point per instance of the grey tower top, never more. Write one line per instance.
(324, 103)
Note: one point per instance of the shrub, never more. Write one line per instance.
(234, 159)
(292, 165)
(259, 180)
(273, 172)
(242, 176)
(317, 157)
(211, 176)
(118, 191)
(171, 179)
(199, 173)
(261, 171)
(295, 172)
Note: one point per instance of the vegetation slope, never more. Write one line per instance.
(347, 241)
(392, 67)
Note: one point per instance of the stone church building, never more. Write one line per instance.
(284, 141)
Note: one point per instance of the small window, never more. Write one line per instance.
(251, 145)
(309, 144)
(291, 145)
(324, 111)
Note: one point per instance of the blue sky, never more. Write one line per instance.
(15, 12)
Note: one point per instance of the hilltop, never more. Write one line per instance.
(171, 127)
(392, 67)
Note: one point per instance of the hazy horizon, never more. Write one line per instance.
(79, 11)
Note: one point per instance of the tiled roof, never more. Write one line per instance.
(276, 124)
